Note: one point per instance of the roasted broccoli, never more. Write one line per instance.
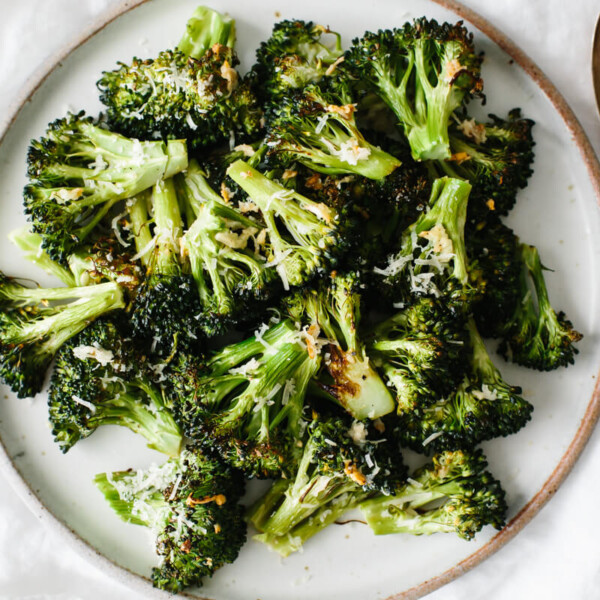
(432, 260)
(317, 127)
(191, 504)
(339, 467)
(304, 237)
(330, 316)
(193, 92)
(296, 54)
(482, 407)
(36, 322)
(535, 336)
(102, 378)
(495, 157)
(421, 353)
(424, 72)
(248, 399)
(451, 494)
(80, 170)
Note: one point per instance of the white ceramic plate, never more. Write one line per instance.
(557, 212)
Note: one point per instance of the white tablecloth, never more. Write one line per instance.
(557, 555)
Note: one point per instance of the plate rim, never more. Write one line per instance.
(537, 501)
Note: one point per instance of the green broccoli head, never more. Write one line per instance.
(296, 54)
(32, 330)
(451, 494)
(330, 316)
(495, 157)
(303, 237)
(536, 336)
(80, 170)
(482, 407)
(247, 400)
(192, 503)
(317, 127)
(178, 97)
(101, 378)
(432, 260)
(424, 72)
(341, 464)
(421, 352)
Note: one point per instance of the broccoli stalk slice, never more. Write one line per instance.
(31, 244)
(204, 29)
(30, 336)
(452, 493)
(540, 339)
(312, 226)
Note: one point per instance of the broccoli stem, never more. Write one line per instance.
(319, 520)
(154, 423)
(194, 189)
(168, 228)
(31, 244)
(140, 226)
(205, 28)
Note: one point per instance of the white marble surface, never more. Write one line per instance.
(556, 555)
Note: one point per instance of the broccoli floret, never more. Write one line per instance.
(105, 260)
(495, 157)
(421, 353)
(31, 244)
(166, 309)
(176, 96)
(451, 494)
(483, 407)
(335, 472)
(101, 378)
(424, 72)
(248, 399)
(296, 54)
(330, 315)
(494, 271)
(317, 127)
(80, 170)
(304, 237)
(536, 336)
(204, 29)
(192, 504)
(432, 260)
(32, 330)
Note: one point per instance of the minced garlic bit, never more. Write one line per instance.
(65, 194)
(358, 432)
(289, 174)
(490, 204)
(354, 473)
(346, 111)
(237, 241)
(460, 157)
(438, 236)
(245, 174)
(474, 130)
(230, 75)
(219, 499)
(247, 206)
(333, 66)
(225, 193)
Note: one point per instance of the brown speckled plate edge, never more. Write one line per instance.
(137, 582)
